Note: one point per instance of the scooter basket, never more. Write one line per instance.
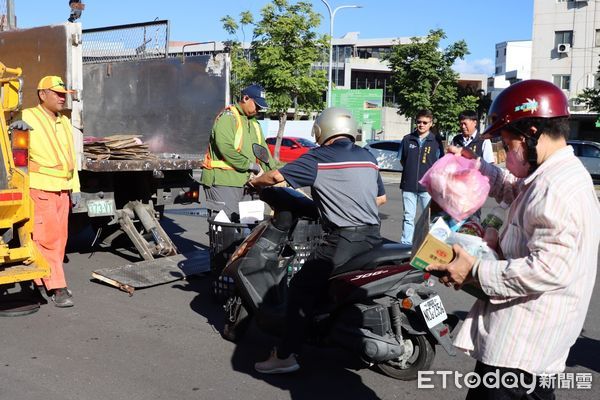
(224, 238)
(305, 238)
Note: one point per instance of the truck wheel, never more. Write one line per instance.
(418, 355)
(237, 319)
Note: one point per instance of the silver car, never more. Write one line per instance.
(589, 154)
(387, 154)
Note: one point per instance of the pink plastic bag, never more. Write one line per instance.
(456, 185)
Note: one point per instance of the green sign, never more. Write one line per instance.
(365, 105)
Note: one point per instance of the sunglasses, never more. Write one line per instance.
(423, 122)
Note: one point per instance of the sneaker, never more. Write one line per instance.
(276, 365)
(62, 298)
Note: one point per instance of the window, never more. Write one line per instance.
(587, 150)
(496, 53)
(597, 43)
(389, 146)
(306, 142)
(563, 81)
(563, 37)
(270, 140)
(287, 143)
(498, 70)
(505, 51)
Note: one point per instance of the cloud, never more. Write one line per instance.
(481, 66)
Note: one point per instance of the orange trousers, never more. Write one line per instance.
(50, 231)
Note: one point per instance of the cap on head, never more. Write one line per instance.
(334, 121)
(54, 83)
(256, 93)
(531, 98)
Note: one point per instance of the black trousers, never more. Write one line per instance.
(482, 392)
(310, 283)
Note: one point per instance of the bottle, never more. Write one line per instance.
(496, 217)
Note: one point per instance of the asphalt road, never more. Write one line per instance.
(164, 343)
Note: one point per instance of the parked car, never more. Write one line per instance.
(387, 154)
(589, 154)
(291, 147)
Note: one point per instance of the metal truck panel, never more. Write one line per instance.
(47, 50)
(171, 102)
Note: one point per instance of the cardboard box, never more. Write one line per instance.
(432, 251)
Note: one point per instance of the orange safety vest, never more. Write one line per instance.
(57, 169)
(208, 162)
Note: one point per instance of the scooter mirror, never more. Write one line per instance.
(260, 152)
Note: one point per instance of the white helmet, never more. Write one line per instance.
(334, 121)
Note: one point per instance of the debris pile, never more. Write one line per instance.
(116, 147)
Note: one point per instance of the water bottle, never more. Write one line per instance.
(496, 217)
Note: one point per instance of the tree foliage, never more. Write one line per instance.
(590, 97)
(423, 78)
(285, 45)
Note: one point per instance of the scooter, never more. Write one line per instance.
(377, 306)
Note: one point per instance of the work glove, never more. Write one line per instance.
(75, 199)
(20, 126)
(255, 168)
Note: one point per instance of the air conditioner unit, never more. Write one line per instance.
(563, 48)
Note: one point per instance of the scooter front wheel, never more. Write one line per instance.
(237, 319)
(418, 355)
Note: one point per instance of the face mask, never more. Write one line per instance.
(516, 163)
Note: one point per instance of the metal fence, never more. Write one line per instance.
(140, 41)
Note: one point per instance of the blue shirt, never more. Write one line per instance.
(344, 180)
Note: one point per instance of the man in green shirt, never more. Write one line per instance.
(229, 159)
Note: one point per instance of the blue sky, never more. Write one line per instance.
(481, 23)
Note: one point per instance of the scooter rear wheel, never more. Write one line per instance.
(237, 319)
(419, 356)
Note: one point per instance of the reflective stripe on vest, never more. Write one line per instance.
(209, 163)
(58, 170)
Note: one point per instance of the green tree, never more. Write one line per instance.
(423, 78)
(590, 97)
(285, 46)
(241, 71)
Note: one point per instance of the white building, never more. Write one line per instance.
(566, 45)
(513, 64)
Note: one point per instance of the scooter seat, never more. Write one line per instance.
(386, 253)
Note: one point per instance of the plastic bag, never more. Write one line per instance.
(456, 185)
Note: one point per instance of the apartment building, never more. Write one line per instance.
(566, 51)
(512, 64)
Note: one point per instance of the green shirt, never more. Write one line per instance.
(222, 147)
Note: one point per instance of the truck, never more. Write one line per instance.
(127, 83)
(20, 259)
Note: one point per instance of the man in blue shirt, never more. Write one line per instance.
(347, 189)
(419, 150)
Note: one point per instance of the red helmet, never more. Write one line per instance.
(526, 99)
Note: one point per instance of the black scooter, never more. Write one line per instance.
(377, 306)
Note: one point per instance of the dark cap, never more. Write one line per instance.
(256, 93)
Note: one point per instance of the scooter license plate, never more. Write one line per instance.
(433, 311)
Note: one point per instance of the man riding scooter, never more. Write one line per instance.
(347, 189)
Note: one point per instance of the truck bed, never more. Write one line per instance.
(162, 163)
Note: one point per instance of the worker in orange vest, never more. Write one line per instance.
(53, 180)
(229, 159)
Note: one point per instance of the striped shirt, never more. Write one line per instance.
(540, 293)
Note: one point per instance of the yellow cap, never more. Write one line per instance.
(54, 83)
